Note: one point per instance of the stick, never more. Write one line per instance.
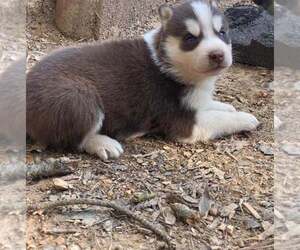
(45, 170)
(109, 204)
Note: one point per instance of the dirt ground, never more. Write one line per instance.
(238, 171)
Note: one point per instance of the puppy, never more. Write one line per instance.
(87, 97)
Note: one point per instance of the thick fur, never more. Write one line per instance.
(79, 97)
(68, 89)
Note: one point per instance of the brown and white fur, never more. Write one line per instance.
(83, 97)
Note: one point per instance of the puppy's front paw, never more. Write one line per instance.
(104, 147)
(246, 121)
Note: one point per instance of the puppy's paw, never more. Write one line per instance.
(103, 146)
(246, 121)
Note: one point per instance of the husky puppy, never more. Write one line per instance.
(86, 97)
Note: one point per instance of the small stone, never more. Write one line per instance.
(140, 161)
(222, 227)
(210, 218)
(60, 184)
(266, 149)
(74, 247)
(241, 243)
(214, 211)
(251, 224)
(230, 229)
(108, 226)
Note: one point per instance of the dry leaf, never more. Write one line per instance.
(229, 210)
(205, 203)
(143, 196)
(185, 214)
(169, 216)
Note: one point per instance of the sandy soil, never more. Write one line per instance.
(237, 169)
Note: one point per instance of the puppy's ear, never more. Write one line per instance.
(165, 13)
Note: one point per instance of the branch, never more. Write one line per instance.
(161, 234)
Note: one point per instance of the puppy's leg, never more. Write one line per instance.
(213, 124)
(68, 114)
(216, 105)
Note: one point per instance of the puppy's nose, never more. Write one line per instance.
(216, 57)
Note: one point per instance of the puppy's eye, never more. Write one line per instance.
(190, 38)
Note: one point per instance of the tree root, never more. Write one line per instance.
(109, 204)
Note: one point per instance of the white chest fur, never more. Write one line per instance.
(213, 118)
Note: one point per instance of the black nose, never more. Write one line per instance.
(216, 57)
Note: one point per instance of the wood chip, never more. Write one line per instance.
(230, 229)
(266, 234)
(60, 184)
(251, 210)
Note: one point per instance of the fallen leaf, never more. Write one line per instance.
(229, 211)
(169, 216)
(143, 196)
(185, 214)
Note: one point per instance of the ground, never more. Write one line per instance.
(236, 169)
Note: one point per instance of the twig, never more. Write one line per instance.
(109, 204)
(231, 155)
(45, 170)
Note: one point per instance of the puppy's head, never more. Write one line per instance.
(193, 42)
